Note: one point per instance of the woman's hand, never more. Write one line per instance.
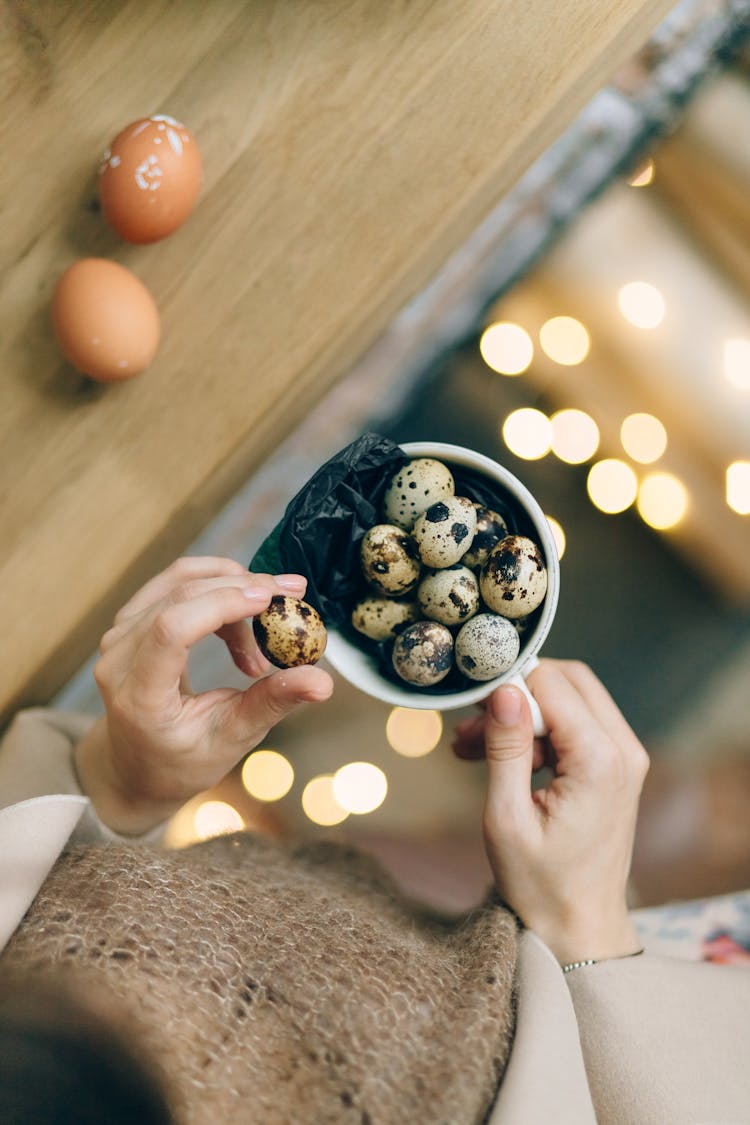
(159, 744)
(561, 855)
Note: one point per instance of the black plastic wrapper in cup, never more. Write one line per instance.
(323, 526)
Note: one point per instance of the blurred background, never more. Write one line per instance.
(594, 337)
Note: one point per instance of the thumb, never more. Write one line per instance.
(509, 749)
(274, 697)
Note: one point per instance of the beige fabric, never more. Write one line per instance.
(666, 1042)
(299, 984)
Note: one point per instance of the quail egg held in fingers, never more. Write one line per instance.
(390, 560)
(491, 528)
(444, 533)
(450, 596)
(381, 618)
(513, 581)
(423, 653)
(412, 490)
(290, 632)
(486, 646)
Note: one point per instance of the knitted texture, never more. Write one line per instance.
(283, 987)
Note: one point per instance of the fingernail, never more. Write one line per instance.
(506, 706)
(292, 583)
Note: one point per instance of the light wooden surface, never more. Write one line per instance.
(348, 148)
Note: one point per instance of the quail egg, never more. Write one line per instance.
(486, 646)
(413, 488)
(491, 528)
(445, 531)
(449, 596)
(381, 618)
(513, 581)
(290, 632)
(390, 560)
(423, 653)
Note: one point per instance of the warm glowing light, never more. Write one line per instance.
(612, 485)
(644, 176)
(738, 487)
(267, 775)
(564, 339)
(319, 802)
(642, 304)
(527, 433)
(506, 348)
(643, 438)
(557, 534)
(662, 500)
(575, 436)
(360, 787)
(413, 733)
(737, 363)
(215, 818)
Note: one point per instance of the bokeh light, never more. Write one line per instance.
(557, 534)
(738, 487)
(506, 348)
(360, 787)
(737, 363)
(575, 436)
(643, 438)
(565, 340)
(267, 775)
(319, 802)
(641, 304)
(413, 733)
(612, 485)
(644, 175)
(527, 433)
(215, 818)
(662, 500)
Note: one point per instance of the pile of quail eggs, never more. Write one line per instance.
(450, 587)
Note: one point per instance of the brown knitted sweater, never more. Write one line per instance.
(283, 987)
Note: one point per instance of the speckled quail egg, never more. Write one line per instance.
(290, 632)
(449, 596)
(486, 646)
(416, 486)
(390, 560)
(514, 578)
(491, 528)
(423, 653)
(445, 531)
(381, 618)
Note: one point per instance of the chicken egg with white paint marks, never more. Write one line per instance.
(445, 532)
(486, 646)
(412, 490)
(513, 581)
(449, 596)
(381, 618)
(423, 653)
(390, 560)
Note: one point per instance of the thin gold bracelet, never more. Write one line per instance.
(593, 961)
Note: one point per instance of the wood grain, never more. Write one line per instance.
(348, 148)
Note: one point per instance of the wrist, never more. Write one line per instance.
(596, 940)
(120, 811)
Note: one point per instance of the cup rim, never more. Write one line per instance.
(358, 668)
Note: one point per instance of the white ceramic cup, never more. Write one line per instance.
(361, 669)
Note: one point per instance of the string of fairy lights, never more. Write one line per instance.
(614, 484)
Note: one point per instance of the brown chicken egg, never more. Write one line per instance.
(105, 321)
(290, 632)
(150, 178)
